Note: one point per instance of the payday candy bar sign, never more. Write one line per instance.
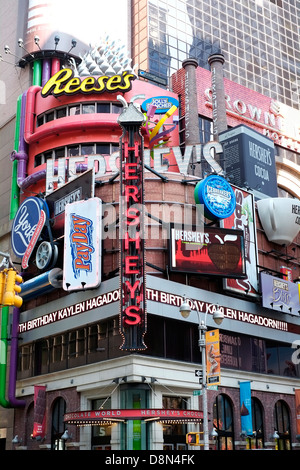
(82, 248)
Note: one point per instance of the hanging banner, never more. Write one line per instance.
(245, 408)
(39, 415)
(213, 369)
(297, 406)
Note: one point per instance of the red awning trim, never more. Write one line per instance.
(119, 415)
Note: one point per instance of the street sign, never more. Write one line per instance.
(152, 77)
(198, 373)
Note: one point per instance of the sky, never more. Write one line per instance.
(86, 20)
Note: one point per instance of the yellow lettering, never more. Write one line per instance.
(127, 77)
(53, 85)
(65, 82)
(87, 85)
(113, 82)
(101, 82)
(73, 85)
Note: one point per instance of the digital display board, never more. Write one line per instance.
(214, 251)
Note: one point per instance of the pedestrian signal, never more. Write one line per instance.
(192, 438)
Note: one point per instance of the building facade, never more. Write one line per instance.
(65, 365)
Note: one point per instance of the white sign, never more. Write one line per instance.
(82, 248)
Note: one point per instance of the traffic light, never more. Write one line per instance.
(9, 296)
(2, 283)
(192, 438)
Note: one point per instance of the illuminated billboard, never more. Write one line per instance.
(211, 250)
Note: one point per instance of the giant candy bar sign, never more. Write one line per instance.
(82, 248)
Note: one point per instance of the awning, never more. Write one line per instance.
(100, 417)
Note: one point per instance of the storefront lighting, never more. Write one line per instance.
(37, 41)
(21, 44)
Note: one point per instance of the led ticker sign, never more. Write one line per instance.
(214, 251)
(64, 82)
(132, 265)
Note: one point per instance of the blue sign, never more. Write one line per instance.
(217, 196)
(245, 408)
(25, 224)
(162, 103)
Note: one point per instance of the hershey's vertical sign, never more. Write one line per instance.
(133, 321)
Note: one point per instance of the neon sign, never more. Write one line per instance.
(132, 265)
(64, 82)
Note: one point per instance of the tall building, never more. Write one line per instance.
(259, 39)
(143, 206)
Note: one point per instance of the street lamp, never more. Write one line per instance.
(218, 317)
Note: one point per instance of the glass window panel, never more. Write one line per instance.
(73, 110)
(88, 108)
(50, 116)
(103, 107)
(60, 113)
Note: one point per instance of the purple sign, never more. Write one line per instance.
(279, 294)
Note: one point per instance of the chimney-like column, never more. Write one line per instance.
(216, 62)
(192, 136)
(191, 107)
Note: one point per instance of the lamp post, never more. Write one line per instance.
(218, 316)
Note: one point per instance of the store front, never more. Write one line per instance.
(135, 428)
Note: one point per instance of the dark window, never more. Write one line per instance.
(60, 113)
(39, 120)
(50, 116)
(58, 426)
(103, 107)
(282, 426)
(223, 422)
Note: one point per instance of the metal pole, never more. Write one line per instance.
(202, 328)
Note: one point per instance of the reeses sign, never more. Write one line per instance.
(64, 82)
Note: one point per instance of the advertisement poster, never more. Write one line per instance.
(213, 368)
(39, 415)
(243, 218)
(245, 408)
(279, 294)
(83, 245)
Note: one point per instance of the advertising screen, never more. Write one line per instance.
(215, 251)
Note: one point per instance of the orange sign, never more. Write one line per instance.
(213, 369)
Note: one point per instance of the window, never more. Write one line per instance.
(223, 422)
(282, 425)
(88, 108)
(60, 113)
(257, 441)
(101, 434)
(174, 434)
(58, 426)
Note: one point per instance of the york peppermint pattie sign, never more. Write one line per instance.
(27, 227)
